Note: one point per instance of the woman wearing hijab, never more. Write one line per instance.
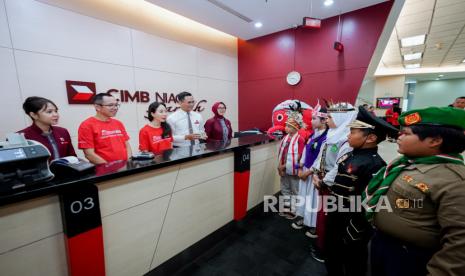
(218, 128)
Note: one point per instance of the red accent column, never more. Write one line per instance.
(85, 253)
(82, 226)
(241, 194)
(241, 182)
(264, 62)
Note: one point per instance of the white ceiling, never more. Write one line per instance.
(276, 15)
(435, 76)
(443, 21)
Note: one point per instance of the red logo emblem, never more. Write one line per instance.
(80, 92)
(412, 119)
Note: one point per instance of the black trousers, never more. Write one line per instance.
(344, 256)
(392, 257)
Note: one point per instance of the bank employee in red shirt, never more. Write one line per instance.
(156, 136)
(44, 115)
(102, 138)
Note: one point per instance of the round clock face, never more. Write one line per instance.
(293, 78)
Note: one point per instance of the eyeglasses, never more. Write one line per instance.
(223, 108)
(110, 105)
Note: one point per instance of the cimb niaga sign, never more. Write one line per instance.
(81, 92)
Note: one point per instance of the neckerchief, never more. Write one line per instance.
(380, 183)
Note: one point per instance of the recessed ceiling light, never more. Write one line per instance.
(328, 2)
(413, 56)
(437, 79)
(441, 76)
(412, 66)
(413, 41)
(258, 24)
(463, 61)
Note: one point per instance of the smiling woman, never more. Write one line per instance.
(44, 115)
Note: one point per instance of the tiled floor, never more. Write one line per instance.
(264, 245)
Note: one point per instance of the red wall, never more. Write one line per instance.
(264, 63)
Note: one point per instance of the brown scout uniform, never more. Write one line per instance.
(428, 202)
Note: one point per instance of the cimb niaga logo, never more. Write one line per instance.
(80, 92)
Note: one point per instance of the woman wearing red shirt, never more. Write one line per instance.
(44, 115)
(156, 136)
(392, 117)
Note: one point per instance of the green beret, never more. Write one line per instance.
(439, 116)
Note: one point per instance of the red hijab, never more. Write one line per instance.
(215, 110)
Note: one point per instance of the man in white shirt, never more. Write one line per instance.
(187, 125)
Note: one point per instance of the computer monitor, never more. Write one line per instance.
(388, 102)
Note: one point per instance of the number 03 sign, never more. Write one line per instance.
(82, 225)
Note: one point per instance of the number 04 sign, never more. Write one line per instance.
(82, 226)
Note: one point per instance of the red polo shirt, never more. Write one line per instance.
(107, 138)
(150, 139)
(61, 136)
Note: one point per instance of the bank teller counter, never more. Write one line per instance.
(129, 218)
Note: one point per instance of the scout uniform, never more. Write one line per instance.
(348, 232)
(424, 233)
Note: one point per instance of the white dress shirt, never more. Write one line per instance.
(180, 126)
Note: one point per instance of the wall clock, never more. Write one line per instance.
(293, 78)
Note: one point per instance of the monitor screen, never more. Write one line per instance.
(386, 103)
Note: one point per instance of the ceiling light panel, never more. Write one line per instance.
(413, 56)
(328, 2)
(412, 66)
(413, 41)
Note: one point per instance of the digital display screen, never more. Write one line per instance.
(386, 103)
(12, 154)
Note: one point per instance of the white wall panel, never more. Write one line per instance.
(161, 54)
(39, 27)
(11, 103)
(161, 82)
(217, 66)
(130, 237)
(271, 178)
(219, 91)
(203, 170)
(122, 193)
(43, 257)
(194, 213)
(51, 44)
(45, 75)
(19, 226)
(5, 40)
(255, 184)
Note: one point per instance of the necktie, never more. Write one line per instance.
(191, 130)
